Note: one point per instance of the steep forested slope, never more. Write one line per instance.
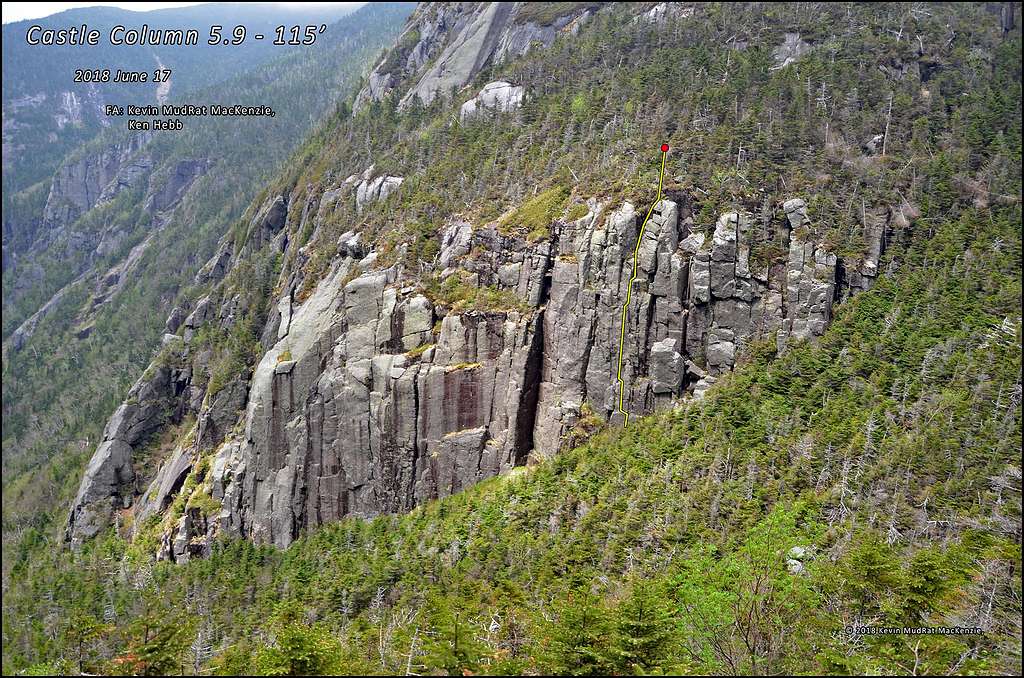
(827, 328)
(47, 113)
(87, 306)
(885, 455)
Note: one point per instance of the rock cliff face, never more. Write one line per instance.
(374, 392)
(81, 184)
(110, 481)
(372, 396)
(88, 183)
(76, 187)
(444, 45)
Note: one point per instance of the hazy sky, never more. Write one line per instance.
(18, 11)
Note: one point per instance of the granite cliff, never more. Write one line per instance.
(372, 397)
(375, 389)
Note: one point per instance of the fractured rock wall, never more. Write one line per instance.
(372, 397)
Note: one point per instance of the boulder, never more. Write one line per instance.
(498, 96)
(791, 49)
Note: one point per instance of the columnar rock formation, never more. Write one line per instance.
(373, 394)
(373, 397)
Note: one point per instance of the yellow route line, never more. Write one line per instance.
(629, 288)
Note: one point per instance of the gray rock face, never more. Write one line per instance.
(366, 404)
(663, 10)
(455, 241)
(445, 45)
(264, 227)
(495, 96)
(352, 424)
(372, 397)
(171, 184)
(77, 187)
(667, 367)
(109, 481)
(791, 49)
(520, 36)
(80, 185)
(424, 36)
(217, 267)
(106, 487)
(810, 281)
(370, 189)
(468, 51)
(174, 320)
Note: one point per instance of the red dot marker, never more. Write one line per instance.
(664, 148)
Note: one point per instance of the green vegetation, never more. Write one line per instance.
(577, 211)
(884, 460)
(419, 350)
(461, 366)
(644, 550)
(534, 216)
(546, 13)
(458, 292)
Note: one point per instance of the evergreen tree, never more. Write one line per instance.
(644, 625)
(578, 641)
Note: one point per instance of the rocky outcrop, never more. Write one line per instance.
(663, 11)
(445, 45)
(374, 396)
(367, 188)
(495, 96)
(810, 280)
(466, 53)
(89, 183)
(524, 32)
(359, 410)
(171, 183)
(79, 185)
(791, 49)
(109, 483)
(175, 385)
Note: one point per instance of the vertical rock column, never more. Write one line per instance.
(810, 280)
